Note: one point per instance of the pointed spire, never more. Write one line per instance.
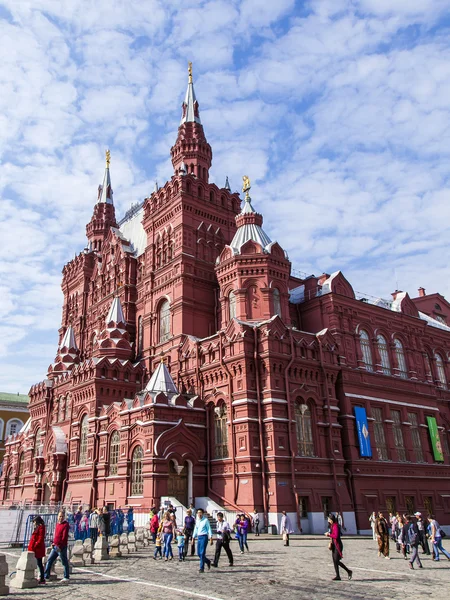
(105, 192)
(68, 340)
(115, 314)
(156, 187)
(227, 184)
(190, 104)
(161, 381)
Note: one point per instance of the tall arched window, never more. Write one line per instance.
(20, 469)
(401, 360)
(384, 354)
(164, 321)
(303, 425)
(440, 370)
(232, 305)
(276, 302)
(220, 432)
(365, 349)
(83, 440)
(140, 336)
(137, 480)
(114, 447)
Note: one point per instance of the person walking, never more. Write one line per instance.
(373, 522)
(120, 520)
(130, 519)
(422, 527)
(77, 520)
(189, 525)
(93, 525)
(255, 522)
(202, 533)
(180, 544)
(436, 539)
(382, 530)
(167, 530)
(413, 539)
(59, 548)
(286, 527)
(336, 546)
(37, 545)
(242, 527)
(158, 544)
(154, 524)
(223, 531)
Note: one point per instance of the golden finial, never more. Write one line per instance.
(108, 158)
(246, 187)
(190, 71)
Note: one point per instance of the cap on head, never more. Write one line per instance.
(417, 514)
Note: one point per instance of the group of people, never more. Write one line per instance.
(409, 533)
(89, 523)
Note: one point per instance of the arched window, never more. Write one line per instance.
(140, 336)
(114, 447)
(401, 360)
(232, 305)
(220, 432)
(164, 321)
(303, 425)
(276, 302)
(2, 426)
(440, 370)
(20, 469)
(384, 354)
(83, 440)
(13, 427)
(365, 349)
(37, 450)
(137, 480)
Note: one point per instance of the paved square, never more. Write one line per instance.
(269, 571)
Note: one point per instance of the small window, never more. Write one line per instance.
(114, 452)
(380, 437)
(326, 506)
(164, 321)
(232, 305)
(137, 480)
(220, 432)
(303, 423)
(276, 302)
(366, 350)
(440, 370)
(410, 505)
(384, 354)
(401, 360)
(398, 435)
(84, 429)
(303, 507)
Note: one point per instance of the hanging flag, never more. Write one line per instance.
(362, 427)
(435, 439)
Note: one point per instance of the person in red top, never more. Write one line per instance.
(336, 546)
(154, 524)
(60, 543)
(37, 544)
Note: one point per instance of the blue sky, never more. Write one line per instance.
(338, 110)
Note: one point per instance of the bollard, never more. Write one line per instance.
(123, 547)
(139, 538)
(131, 542)
(25, 577)
(88, 549)
(77, 554)
(114, 543)
(100, 549)
(4, 589)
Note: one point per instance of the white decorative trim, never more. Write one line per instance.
(391, 401)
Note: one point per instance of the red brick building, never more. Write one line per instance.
(192, 363)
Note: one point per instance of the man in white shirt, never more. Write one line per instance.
(223, 530)
(202, 532)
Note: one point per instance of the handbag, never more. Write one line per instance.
(442, 532)
(285, 537)
(330, 545)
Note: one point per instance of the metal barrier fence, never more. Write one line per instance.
(50, 521)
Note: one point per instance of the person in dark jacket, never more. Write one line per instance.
(189, 525)
(336, 547)
(60, 543)
(382, 531)
(104, 522)
(414, 540)
(37, 544)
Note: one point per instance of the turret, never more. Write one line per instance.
(104, 216)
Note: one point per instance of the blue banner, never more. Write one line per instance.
(362, 427)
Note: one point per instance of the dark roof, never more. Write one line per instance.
(19, 398)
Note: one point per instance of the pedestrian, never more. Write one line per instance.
(154, 524)
(158, 544)
(372, 521)
(413, 539)
(286, 527)
(192, 508)
(336, 546)
(104, 524)
(436, 539)
(77, 520)
(130, 519)
(93, 525)
(382, 530)
(189, 525)
(84, 526)
(167, 530)
(422, 525)
(255, 522)
(59, 548)
(120, 520)
(398, 534)
(405, 536)
(203, 533)
(173, 518)
(223, 531)
(243, 531)
(37, 545)
(180, 544)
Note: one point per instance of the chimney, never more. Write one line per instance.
(422, 292)
(394, 294)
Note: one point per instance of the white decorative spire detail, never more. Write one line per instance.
(105, 192)
(227, 184)
(161, 381)
(68, 340)
(190, 104)
(115, 314)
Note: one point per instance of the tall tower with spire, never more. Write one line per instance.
(104, 216)
(191, 152)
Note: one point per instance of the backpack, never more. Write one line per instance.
(412, 535)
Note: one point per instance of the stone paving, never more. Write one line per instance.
(269, 571)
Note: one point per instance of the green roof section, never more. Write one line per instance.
(19, 398)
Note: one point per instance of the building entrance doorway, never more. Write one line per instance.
(177, 485)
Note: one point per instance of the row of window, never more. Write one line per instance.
(399, 355)
(409, 504)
